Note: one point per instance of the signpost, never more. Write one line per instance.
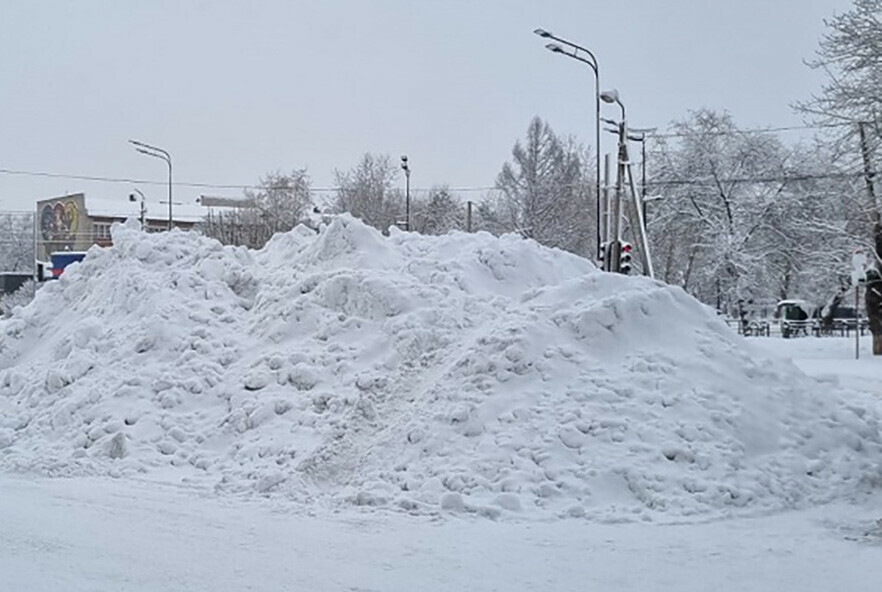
(858, 277)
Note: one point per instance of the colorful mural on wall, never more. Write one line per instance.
(59, 222)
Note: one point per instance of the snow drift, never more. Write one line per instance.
(463, 373)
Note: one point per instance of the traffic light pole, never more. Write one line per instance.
(612, 258)
(616, 253)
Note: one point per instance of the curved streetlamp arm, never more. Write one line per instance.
(548, 35)
(575, 56)
(149, 147)
(164, 157)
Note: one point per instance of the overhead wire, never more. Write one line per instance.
(200, 185)
(464, 189)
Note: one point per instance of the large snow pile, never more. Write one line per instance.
(460, 373)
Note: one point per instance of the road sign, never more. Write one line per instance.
(858, 268)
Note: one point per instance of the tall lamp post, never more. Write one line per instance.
(406, 169)
(611, 258)
(591, 63)
(161, 154)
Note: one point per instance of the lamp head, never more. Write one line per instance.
(542, 33)
(610, 96)
(554, 47)
(132, 197)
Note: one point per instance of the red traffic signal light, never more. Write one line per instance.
(625, 258)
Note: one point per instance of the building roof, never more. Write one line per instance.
(120, 206)
(210, 201)
(123, 207)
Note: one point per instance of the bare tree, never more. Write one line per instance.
(545, 192)
(16, 242)
(20, 297)
(368, 192)
(733, 226)
(278, 204)
(439, 212)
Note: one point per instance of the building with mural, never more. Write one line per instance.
(75, 222)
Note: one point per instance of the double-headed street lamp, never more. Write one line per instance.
(162, 155)
(591, 63)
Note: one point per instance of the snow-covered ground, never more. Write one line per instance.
(831, 359)
(347, 411)
(98, 535)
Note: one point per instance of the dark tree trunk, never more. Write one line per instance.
(873, 297)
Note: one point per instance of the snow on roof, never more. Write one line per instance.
(461, 373)
(122, 207)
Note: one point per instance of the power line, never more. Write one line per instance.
(773, 179)
(736, 132)
(128, 180)
(201, 185)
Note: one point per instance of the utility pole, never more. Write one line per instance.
(643, 175)
(640, 223)
(469, 216)
(607, 215)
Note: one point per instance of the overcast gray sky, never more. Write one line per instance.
(236, 89)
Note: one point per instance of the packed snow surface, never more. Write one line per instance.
(463, 373)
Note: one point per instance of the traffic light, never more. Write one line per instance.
(625, 259)
(601, 256)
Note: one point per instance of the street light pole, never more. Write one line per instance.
(162, 155)
(595, 68)
(611, 258)
(143, 213)
(406, 169)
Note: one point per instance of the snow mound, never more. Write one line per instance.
(462, 373)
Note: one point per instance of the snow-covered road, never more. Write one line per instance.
(101, 535)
